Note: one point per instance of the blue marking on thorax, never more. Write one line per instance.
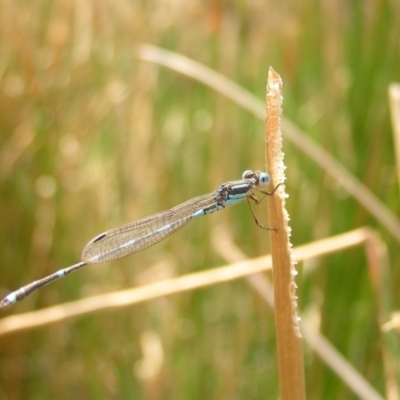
(233, 199)
(239, 187)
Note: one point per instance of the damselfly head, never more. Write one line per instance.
(260, 178)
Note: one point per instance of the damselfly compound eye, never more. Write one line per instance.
(263, 179)
(247, 174)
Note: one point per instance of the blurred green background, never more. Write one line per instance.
(92, 137)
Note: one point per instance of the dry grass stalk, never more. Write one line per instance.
(289, 341)
(126, 298)
(394, 102)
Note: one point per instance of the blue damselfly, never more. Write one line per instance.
(138, 235)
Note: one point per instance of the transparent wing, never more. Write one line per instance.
(136, 236)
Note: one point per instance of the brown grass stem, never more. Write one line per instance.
(394, 103)
(289, 341)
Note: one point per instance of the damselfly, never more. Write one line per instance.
(136, 236)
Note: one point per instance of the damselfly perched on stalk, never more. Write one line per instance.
(138, 235)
